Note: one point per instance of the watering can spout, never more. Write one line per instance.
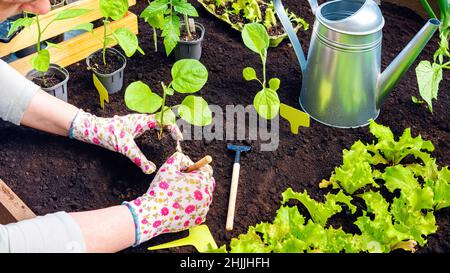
(314, 5)
(392, 74)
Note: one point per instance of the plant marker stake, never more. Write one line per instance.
(101, 91)
(202, 162)
(191, 23)
(295, 117)
(234, 183)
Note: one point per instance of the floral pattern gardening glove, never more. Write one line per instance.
(118, 134)
(175, 200)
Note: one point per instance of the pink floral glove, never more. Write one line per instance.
(118, 134)
(175, 200)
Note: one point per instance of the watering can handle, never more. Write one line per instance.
(284, 19)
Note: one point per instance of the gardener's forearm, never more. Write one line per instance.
(106, 230)
(47, 113)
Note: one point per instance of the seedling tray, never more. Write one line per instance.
(275, 40)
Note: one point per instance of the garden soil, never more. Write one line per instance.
(52, 173)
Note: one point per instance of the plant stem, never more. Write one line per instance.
(104, 40)
(161, 124)
(155, 37)
(38, 45)
(186, 24)
(428, 8)
(264, 60)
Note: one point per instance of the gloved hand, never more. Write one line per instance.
(118, 134)
(175, 200)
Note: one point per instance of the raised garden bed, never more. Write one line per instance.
(53, 173)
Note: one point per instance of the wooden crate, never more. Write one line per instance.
(72, 50)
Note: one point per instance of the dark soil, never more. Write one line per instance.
(184, 36)
(53, 173)
(49, 81)
(113, 62)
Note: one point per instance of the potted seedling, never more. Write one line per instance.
(50, 77)
(108, 64)
(188, 77)
(184, 38)
(266, 101)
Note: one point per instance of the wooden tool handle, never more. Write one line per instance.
(197, 165)
(233, 194)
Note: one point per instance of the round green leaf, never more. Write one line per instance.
(114, 9)
(41, 61)
(169, 116)
(249, 74)
(127, 40)
(195, 110)
(267, 103)
(255, 37)
(140, 98)
(274, 84)
(189, 76)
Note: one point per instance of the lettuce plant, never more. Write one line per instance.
(400, 222)
(266, 101)
(429, 74)
(188, 77)
(113, 10)
(164, 15)
(41, 61)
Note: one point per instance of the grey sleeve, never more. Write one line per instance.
(16, 93)
(52, 233)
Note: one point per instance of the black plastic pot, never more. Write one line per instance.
(112, 82)
(59, 90)
(190, 49)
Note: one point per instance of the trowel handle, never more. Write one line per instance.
(233, 194)
(287, 25)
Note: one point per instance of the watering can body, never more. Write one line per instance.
(342, 81)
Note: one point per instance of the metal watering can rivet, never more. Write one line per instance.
(342, 81)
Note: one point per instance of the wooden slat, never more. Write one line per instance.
(27, 36)
(12, 208)
(79, 47)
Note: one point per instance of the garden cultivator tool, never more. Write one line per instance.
(199, 236)
(234, 183)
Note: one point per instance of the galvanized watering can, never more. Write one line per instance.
(342, 81)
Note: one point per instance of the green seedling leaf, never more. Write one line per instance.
(52, 45)
(267, 103)
(249, 74)
(169, 116)
(156, 21)
(256, 38)
(415, 100)
(140, 98)
(195, 110)
(88, 27)
(22, 22)
(185, 8)
(189, 76)
(127, 40)
(41, 61)
(114, 9)
(154, 9)
(274, 84)
(429, 77)
(169, 91)
(171, 33)
(70, 14)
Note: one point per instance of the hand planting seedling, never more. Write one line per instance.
(41, 61)
(429, 75)
(188, 76)
(164, 15)
(266, 101)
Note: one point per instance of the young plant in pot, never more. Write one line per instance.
(50, 77)
(188, 77)
(108, 64)
(184, 38)
(266, 101)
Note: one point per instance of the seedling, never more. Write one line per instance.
(188, 76)
(164, 15)
(429, 75)
(113, 10)
(41, 61)
(266, 101)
